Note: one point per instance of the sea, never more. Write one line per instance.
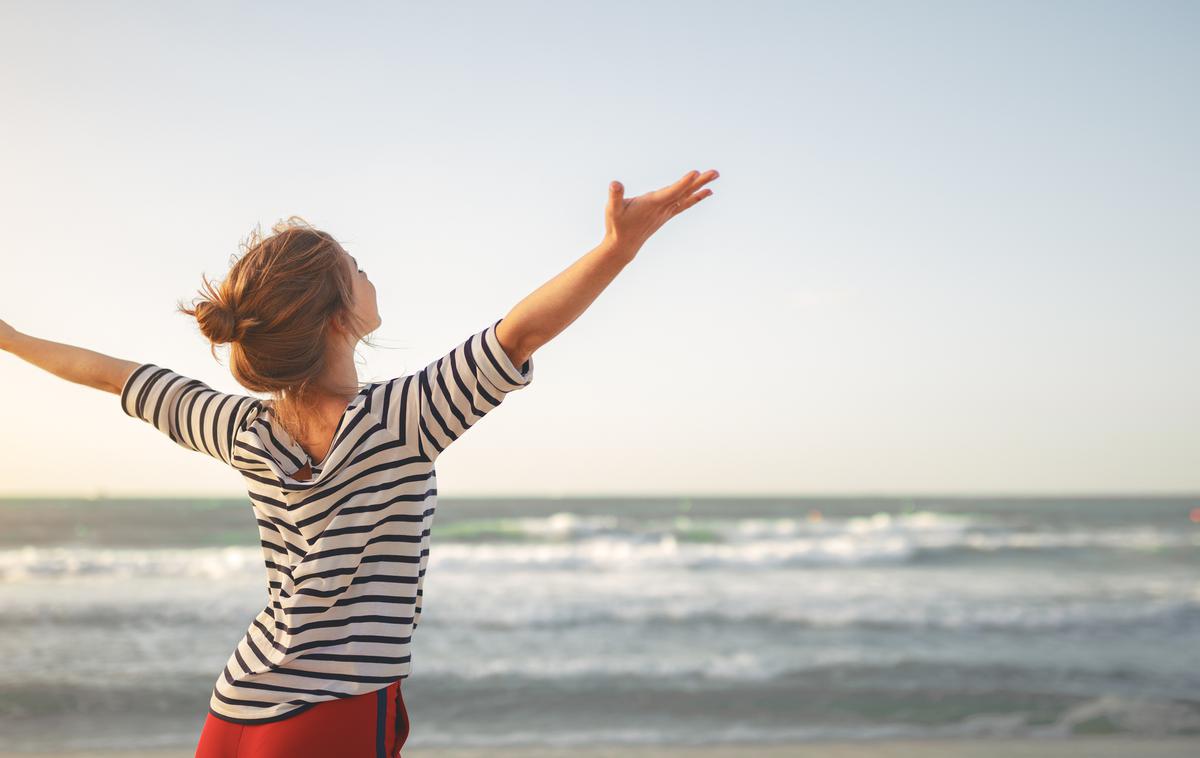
(651, 621)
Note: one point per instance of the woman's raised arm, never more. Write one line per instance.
(75, 364)
(627, 225)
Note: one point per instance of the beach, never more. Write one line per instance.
(1077, 747)
(876, 627)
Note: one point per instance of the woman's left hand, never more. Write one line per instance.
(630, 222)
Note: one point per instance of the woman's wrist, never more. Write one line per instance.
(8, 336)
(623, 249)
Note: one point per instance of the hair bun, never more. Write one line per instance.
(219, 324)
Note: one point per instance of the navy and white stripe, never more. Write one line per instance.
(345, 550)
(457, 390)
(187, 410)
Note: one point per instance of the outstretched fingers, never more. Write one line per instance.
(700, 180)
(687, 196)
(685, 187)
(675, 191)
(683, 205)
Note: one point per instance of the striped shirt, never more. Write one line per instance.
(346, 548)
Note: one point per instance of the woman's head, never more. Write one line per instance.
(291, 304)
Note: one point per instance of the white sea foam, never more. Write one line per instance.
(573, 541)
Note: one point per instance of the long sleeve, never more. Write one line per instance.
(438, 404)
(188, 411)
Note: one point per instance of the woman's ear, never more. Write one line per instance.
(341, 324)
(335, 326)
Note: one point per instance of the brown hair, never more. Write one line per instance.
(276, 308)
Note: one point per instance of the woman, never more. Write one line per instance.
(340, 474)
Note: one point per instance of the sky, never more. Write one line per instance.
(954, 248)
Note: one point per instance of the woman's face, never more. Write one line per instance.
(365, 305)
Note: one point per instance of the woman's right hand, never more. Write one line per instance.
(629, 223)
(7, 334)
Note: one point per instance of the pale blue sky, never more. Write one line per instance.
(953, 248)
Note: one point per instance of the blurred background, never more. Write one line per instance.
(894, 437)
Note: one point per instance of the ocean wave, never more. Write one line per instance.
(571, 541)
(33, 563)
(1083, 617)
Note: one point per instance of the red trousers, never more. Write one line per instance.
(370, 725)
